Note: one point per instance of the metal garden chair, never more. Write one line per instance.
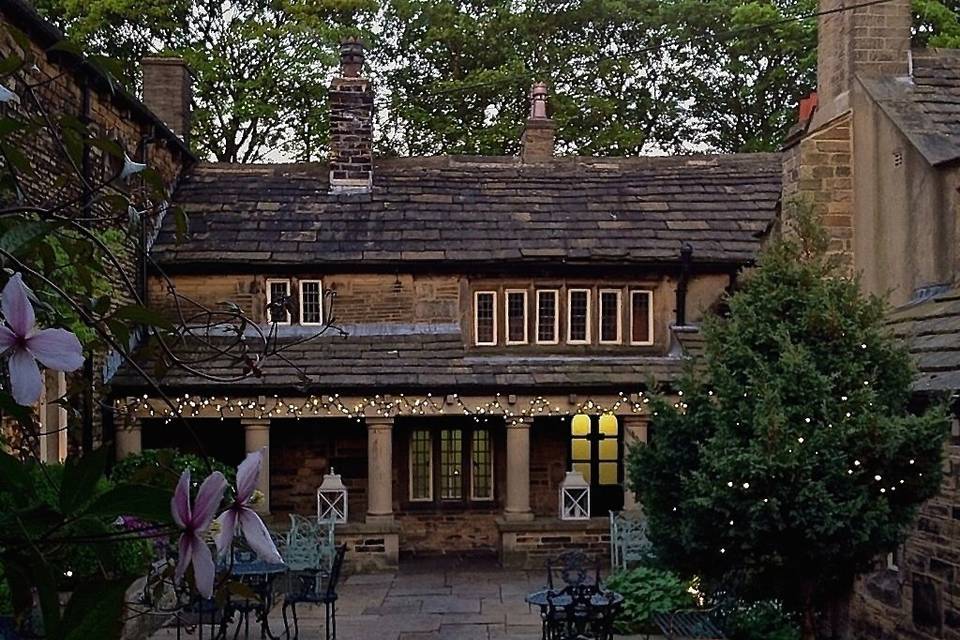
(629, 543)
(311, 591)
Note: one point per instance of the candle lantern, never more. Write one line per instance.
(332, 499)
(574, 497)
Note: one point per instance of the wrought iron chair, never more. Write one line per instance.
(696, 624)
(310, 591)
(629, 543)
(573, 568)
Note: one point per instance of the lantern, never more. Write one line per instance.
(574, 497)
(332, 499)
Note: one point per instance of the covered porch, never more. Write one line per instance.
(425, 475)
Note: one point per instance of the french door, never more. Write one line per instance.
(596, 451)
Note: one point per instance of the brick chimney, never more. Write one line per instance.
(167, 91)
(351, 122)
(536, 145)
(869, 40)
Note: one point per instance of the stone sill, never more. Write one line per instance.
(548, 524)
(368, 528)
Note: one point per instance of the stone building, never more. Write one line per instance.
(64, 84)
(504, 317)
(877, 153)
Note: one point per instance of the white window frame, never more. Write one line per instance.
(643, 343)
(476, 319)
(429, 497)
(506, 316)
(570, 293)
(556, 317)
(319, 283)
(493, 473)
(619, 315)
(270, 283)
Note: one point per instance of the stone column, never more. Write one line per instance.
(379, 469)
(129, 439)
(634, 431)
(518, 470)
(256, 433)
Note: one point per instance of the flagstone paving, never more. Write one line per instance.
(426, 602)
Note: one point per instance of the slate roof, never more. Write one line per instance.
(458, 210)
(931, 330)
(926, 105)
(431, 361)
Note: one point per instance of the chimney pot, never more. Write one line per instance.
(351, 58)
(536, 145)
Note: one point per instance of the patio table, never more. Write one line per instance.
(577, 612)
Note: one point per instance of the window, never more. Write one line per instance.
(516, 316)
(547, 328)
(481, 480)
(609, 316)
(641, 317)
(451, 465)
(578, 316)
(278, 295)
(451, 459)
(421, 466)
(485, 317)
(311, 302)
(596, 451)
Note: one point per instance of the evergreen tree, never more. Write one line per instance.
(789, 459)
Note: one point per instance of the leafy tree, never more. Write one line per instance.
(936, 23)
(790, 461)
(260, 66)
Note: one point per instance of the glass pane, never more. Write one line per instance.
(451, 455)
(311, 302)
(420, 480)
(482, 465)
(580, 425)
(579, 305)
(640, 316)
(608, 449)
(517, 316)
(609, 316)
(485, 318)
(279, 292)
(609, 425)
(580, 449)
(547, 316)
(583, 468)
(608, 472)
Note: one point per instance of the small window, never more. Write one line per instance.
(311, 302)
(641, 317)
(421, 466)
(278, 298)
(610, 316)
(547, 325)
(485, 317)
(516, 316)
(451, 461)
(578, 316)
(481, 480)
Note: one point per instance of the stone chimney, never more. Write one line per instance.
(536, 145)
(868, 40)
(351, 122)
(167, 91)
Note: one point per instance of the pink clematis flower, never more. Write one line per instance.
(194, 523)
(240, 515)
(24, 344)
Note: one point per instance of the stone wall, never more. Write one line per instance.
(528, 545)
(920, 597)
(818, 173)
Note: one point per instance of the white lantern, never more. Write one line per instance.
(332, 499)
(574, 497)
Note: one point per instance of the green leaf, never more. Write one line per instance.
(182, 223)
(80, 478)
(95, 610)
(23, 234)
(14, 474)
(67, 47)
(142, 315)
(108, 146)
(9, 64)
(145, 502)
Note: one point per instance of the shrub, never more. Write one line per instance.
(646, 592)
(765, 620)
(162, 468)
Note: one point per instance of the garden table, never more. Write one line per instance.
(577, 612)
